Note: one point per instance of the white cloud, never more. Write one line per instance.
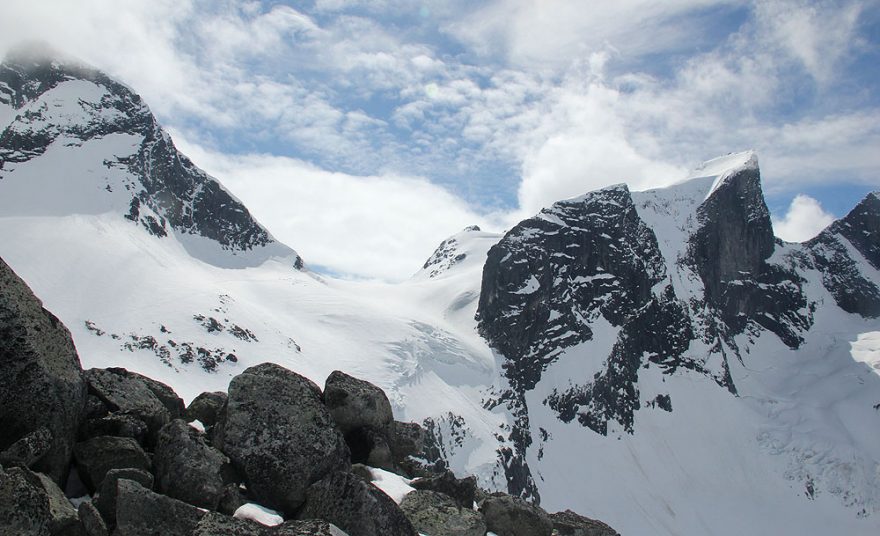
(545, 89)
(817, 34)
(381, 227)
(804, 220)
(553, 32)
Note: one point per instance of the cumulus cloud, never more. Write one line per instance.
(804, 220)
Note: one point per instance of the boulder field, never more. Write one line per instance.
(109, 451)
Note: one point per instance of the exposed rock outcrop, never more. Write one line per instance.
(97, 456)
(512, 516)
(355, 506)
(41, 384)
(438, 515)
(281, 443)
(189, 469)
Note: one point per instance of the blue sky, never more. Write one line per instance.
(364, 132)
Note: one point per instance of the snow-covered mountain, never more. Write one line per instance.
(657, 360)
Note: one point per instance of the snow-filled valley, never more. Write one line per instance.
(792, 448)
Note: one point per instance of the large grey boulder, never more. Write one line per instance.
(206, 407)
(28, 450)
(92, 522)
(105, 499)
(437, 514)
(140, 512)
(406, 439)
(214, 524)
(24, 508)
(506, 515)
(98, 455)
(356, 403)
(279, 435)
(128, 392)
(462, 490)
(41, 382)
(569, 523)
(31, 504)
(188, 468)
(114, 424)
(355, 506)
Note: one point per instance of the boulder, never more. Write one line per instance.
(27, 450)
(355, 403)
(355, 506)
(406, 439)
(114, 424)
(206, 407)
(462, 490)
(214, 524)
(569, 523)
(63, 519)
(279, 435)
(361, 470)
(91, 520)
(41, 383)
(511, 516)
(140, 512)
(437, 514)
(33, 504)
(108, 491)
(127, 392)
(95, 407)
(98, 455)
(370, 447)
(24, 508)
(308, 527)
(189, 469)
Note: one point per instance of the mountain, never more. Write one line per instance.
(657, 359)
(70, 115)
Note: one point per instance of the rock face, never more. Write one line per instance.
(544, 284)
(438, 515)
(189, 469)
(168, 193)
(281, 443)
(852, 291)
(41, 382)
(655, 276)
(355, 506)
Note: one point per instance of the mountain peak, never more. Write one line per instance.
(115, 158)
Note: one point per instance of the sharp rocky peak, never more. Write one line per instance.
(593, 265)
(49, 103)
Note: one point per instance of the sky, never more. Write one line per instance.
(364, 132)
